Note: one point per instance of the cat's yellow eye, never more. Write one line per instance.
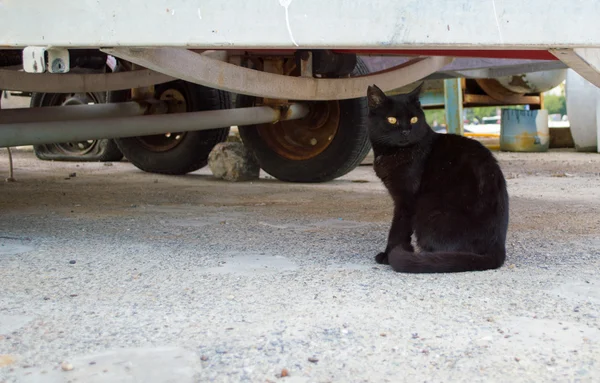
(392, 120)
(414, 120)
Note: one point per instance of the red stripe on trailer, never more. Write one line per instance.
(497, 54)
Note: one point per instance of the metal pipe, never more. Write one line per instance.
(79, 82)
(68, 131)
(71, 112)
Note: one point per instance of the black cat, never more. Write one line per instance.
(447, 189)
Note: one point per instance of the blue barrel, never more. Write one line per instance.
(524, 130)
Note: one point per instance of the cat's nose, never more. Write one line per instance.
(405, 132)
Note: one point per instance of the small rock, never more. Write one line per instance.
(204, 358)
(92, 363)
(284, 373)
(108, 164)
(6, 360)
(72, 175)
(312, 359)
(66, 366)
(46, 298)
(72, 262)
(483, 342)
(231, 161)
(517, 359)
(383, 334)
(73, 295)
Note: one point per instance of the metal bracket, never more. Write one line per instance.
(34, 59)
(584, 61)
(306, 64)
(58, 60)
(191, 67)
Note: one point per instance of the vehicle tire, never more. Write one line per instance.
(9, 57)
(176, 152)
(328, 143)
(90, 150)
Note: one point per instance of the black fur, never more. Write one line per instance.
(447, 189)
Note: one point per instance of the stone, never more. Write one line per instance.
(232, 161)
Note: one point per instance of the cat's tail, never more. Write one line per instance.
(443, 262)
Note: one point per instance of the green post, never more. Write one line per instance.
(453, 101)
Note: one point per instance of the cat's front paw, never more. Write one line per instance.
(382, 258)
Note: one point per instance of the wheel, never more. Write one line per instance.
(326, 144)
(90, 150)
(176, 152)
(10, 57)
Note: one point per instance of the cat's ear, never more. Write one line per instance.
(413, 96)
(375, 97)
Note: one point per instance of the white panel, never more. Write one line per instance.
(309, 23)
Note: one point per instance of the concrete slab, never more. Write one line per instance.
(162, 279)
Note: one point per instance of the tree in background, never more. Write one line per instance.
(438, 115)
(555, 104)
(555, 101)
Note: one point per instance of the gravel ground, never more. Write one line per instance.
(124, 276)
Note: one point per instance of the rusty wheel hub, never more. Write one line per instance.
(305, 138)
(163, 142)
